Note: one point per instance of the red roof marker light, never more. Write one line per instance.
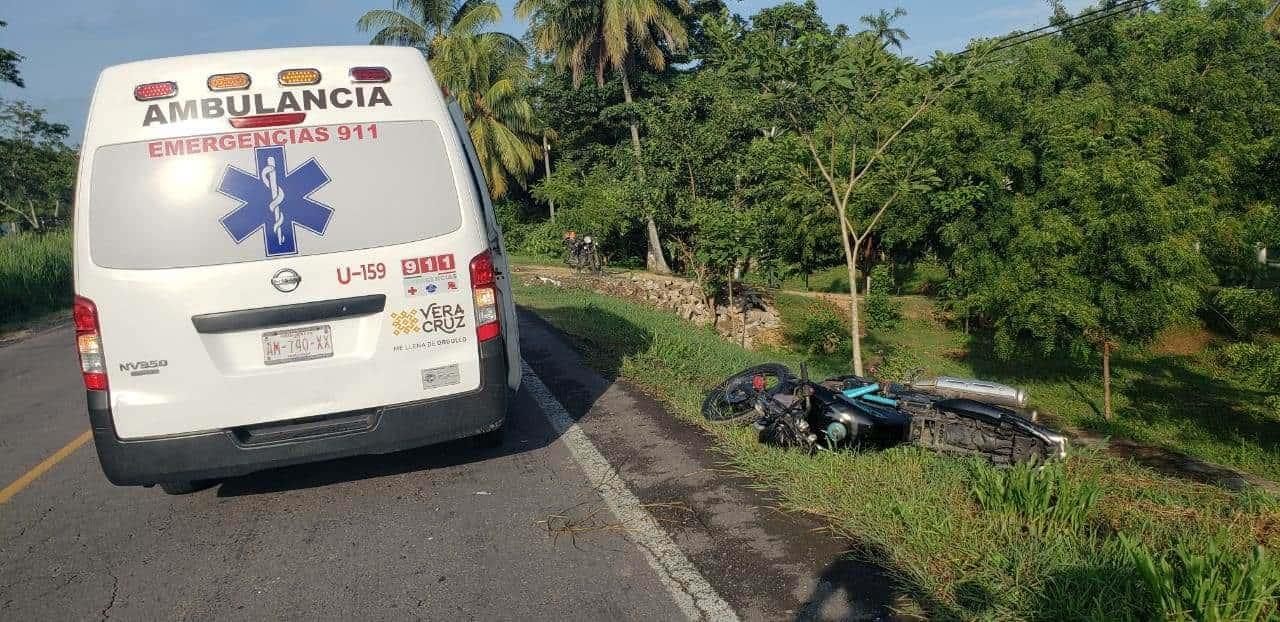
(370, 74)
(155, 90)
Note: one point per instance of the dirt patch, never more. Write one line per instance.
(35, 327)
(1182, 341)
(1175, 464)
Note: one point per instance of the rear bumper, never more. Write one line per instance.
(227, 453)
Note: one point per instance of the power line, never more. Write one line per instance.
(1083, 19)
(1142, 4)
(1081, 16)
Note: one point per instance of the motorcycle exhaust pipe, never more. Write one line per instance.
(968, 388)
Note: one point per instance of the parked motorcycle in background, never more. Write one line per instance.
(583, 253)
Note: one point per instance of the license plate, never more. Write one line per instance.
(297, 344)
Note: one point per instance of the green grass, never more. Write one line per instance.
(35, 276)
(833, 280)
(921, 278)
(918, 514)
(1182, 402)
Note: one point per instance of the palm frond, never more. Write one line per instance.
(478, 16)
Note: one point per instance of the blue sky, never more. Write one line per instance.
(67, 42)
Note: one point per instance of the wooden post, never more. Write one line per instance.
(546, 166)
(1106, 378)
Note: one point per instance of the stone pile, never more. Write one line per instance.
(684, 298)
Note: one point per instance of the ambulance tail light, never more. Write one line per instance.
(298, 77)
(268, 120)
(228, 82)
(93, 367)
(155, 90)
(370, 74)
(485, 294)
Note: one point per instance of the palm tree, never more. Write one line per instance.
(881, 25)
(485, 71)
(499, 117)
(601, 35)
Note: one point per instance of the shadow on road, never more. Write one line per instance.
(526, 430)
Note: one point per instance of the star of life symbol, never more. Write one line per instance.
(275, 201)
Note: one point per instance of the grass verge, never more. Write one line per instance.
(35, 276)
(958, 549)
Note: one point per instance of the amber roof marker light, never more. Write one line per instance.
(229, 81)
(298, 77)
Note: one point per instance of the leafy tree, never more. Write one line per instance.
(37, 169)
(485, 71)
(1132, 157)
(851, 103)
(9, 60)
(601, 35)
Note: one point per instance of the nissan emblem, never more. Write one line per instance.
(286, 280)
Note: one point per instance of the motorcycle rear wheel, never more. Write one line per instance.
(733, 400)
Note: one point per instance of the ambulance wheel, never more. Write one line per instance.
(491, 440)
(179, 488)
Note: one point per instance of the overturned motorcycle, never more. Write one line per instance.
(952, 416)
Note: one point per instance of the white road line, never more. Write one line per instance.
(691, 591)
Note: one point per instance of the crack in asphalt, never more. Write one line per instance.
(115, 591)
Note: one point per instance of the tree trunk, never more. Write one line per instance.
(654, 261)
(546, 166)
(1106, 378)
(728, 311)
(851, 262)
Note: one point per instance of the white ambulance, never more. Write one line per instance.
(284, 256)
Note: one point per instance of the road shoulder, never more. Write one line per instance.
(767, 564)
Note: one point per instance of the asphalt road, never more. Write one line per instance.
(449, 532)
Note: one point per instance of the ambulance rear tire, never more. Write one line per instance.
(180, 488)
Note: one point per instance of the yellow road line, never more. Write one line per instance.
(39, 469)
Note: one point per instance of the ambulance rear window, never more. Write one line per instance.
(265, 194)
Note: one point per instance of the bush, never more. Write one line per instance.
(883, 312)
(1200, 580)
(895, 362)
(1253, 362)
(1248, 311)
(1042, 499)
(544, 239)
(821, 330)
(35, 274)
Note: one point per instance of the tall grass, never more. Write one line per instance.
(967, 541)
(35, 275)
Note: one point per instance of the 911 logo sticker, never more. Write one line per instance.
(274, 199)
(433, 318)
(428, 275)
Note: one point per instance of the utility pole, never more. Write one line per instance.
(546, 166)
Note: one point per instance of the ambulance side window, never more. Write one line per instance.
(478, 184)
